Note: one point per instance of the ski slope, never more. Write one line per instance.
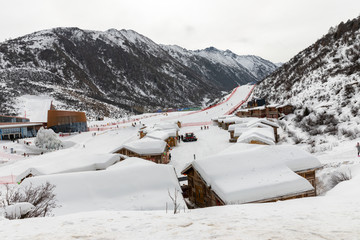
(238, 95)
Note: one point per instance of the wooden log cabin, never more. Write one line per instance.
(169, 136)
(225, 179)
(272, 111)
(269, 111)
(243, 113)
(258, 112)
(232, 129)
(261, 123)
(230, 121)
(285, 109)
(146, 148)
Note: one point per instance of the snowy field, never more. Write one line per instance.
(333, 215)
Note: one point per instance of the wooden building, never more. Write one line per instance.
(263, 136)
(243, 113)
(272, 111)
(272, 173)
(258, 112)
(169, 136)
(225, 123)
(146, 148)
(199, 192)
(285, 109)
(268, 111)
(259, 123)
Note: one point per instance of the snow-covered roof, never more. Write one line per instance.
(258, 125)
(236, 125)
(239, 130)
(292, 156)
(120, 188)
(262, 120)
(248, 176)
(265, 135)
(165, 125)
(145, 146)
(258, 108)
(76, 161)
(232, 119)
(272, 105)
(283, 105)
(131, 161)
(161, 135)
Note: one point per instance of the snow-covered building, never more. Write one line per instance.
(219, 120)
(63, 162)
(169, 136)
(252, 123)
(263, 136)
(241, 174)
(117, 188)
(225, 123)
(154, 150)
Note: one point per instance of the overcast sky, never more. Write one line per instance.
(272, 29)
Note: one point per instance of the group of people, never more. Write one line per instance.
(204, 127)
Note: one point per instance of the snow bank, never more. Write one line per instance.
(18, 209)
(129, 186)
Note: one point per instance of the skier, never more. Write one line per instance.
(358, 148)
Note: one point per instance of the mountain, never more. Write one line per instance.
(113, 72)
(323, 81)
(224, 68)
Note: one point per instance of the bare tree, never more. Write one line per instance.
(42, 197)
(338, 177)
(175, 200)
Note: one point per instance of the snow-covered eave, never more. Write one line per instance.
(154, 153)
(290, 195)
(308, 169)
(255, 137)
(187, 168)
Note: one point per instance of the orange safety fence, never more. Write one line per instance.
(11, 179)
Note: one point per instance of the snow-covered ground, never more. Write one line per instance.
(334, 215)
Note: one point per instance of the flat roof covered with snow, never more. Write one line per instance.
(239, 177)
(292, 156)
(145, 146)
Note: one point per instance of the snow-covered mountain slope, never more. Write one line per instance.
(325, 79)
(107, 73)
(215, 64)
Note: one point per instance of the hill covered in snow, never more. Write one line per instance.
(111, 72)
(323, 82)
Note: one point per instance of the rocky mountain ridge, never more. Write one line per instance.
(112, 72)
(323, 82)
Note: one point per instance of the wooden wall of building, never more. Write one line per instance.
(200, 194)
(153, 158)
